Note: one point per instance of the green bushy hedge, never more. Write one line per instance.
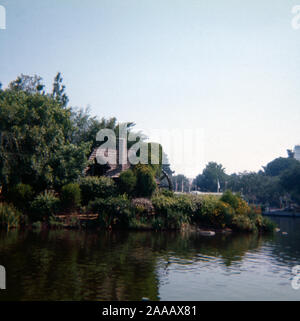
(145, 181)
(127, 182)
(43, 206)
(113, 211)
(21, 196)
(228, 211)
(93, 187)
(70, 196)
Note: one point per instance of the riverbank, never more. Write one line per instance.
(163, 211)
(169, 211)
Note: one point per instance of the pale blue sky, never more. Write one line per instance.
(229, 68)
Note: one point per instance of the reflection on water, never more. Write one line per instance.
(80, 265)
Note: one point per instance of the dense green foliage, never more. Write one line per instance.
(21, 196)
(290, 181)
(279, 165)
(229, 211)
(180, 183)
(212, 175)
(36, 137)
(44, 146)
(44, 206)
(278, 181)
(145, 180)
(93, 187)
(127, 182)
(113, 211)
(10, 217)
(70, 196)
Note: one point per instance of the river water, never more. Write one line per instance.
(90, 265)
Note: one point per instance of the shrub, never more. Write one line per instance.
(243, 223)
(70, 196)
(231, 199)
(143, 206)
(93, 187)
(268, 225)
(43, 206)
(113, 211)
(175, 219)
(208, 209)
(21, 195)
(184, 203)
(127, 182)
(167, 192)
(145, 183)
(139, 224)
(162, 203)
(10, 217)
(239, 205)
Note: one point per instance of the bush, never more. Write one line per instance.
(70, 196)
(163, 203)
(43, 206)
(242, 223)
(236, 202)
(184, 203)
(231, 199)
(179, 203)
(268, 225)
(145, 184)
(127, 182)
(113, 211)
(10, 217)
(143, 206)
(167, 192)
(175, 219)
(21, 196)
(93, 187)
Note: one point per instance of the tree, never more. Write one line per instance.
(86, 126)
(180, 183)
(278, 165)
(290, 181)
(58, 92)
(256, 187)
(290, 153)
(211, 175)
(28, 84)
(35, 138)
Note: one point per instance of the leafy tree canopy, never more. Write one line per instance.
(36, 129)
(211, 175)
(278, 165)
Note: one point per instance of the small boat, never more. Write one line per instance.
(284, 233)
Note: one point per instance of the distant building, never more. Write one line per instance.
(297, 152)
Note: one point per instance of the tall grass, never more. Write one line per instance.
(10, 217)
